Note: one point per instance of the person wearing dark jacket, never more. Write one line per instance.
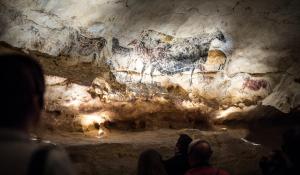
(22, 95)
(178, 164)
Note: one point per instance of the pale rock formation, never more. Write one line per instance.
(144, 64)
(286, 95)
(215, 54)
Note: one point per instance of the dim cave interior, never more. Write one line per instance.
(126, 75)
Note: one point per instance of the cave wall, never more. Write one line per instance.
(180, 59)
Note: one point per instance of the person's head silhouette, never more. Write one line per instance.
(183, 143)
(199, 153)
(21, 91)
(150, 163)
(291, 145)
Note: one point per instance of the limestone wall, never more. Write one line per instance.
(214, 57)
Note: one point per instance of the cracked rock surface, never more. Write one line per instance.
(120, 59)
(139, 65)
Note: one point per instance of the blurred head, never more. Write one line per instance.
(22, 91)
(183, 144)
(273, 164)
(291, 145)
(150, 163)
(199, 152)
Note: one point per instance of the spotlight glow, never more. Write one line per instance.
(226, 112)
(90, 119)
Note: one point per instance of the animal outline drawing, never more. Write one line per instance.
(168, 54)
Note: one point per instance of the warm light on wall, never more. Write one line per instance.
(226, 112)
(90, 119)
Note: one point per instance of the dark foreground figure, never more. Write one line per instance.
(150, 163)
(22, 95)
(199, 155)
(287, 160)
(178, 165)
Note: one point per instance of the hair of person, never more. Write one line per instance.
(291, 144)
(200, 151)
(22, 80)
(150, 163)
(275, 163)
(183, 143)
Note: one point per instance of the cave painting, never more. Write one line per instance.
(90, 45)
(84, 46)
(255, 85)
(170, 55)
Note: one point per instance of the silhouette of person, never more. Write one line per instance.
(150, 163)
(291, 147)
(273, 164)
(22, 95)
(286, 161)
(178, 164)
(199, 155)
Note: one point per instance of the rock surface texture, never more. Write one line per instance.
(148, 64)
(198, 59)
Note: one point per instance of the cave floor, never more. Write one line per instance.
(117, 152)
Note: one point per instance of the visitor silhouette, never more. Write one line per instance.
(200, 153)
(287, 160)
(22, 99)
(150, 163)
(178, 164)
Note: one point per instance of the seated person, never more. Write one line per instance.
(178, 165)
(150, 163)
(22, 95)
(199, 155)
